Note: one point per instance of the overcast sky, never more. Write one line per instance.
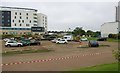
(65, 15)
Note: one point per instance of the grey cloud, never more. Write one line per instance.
(64, 15)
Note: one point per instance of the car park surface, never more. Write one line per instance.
(62, 50)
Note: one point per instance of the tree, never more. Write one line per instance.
(78, 31)
(89, 32)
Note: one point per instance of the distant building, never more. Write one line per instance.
(42, 21)
(112, 27)
(14, 20)
(118, 12)
(109, 28)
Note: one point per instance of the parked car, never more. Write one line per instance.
(25, 42)
(83, 39)
(93, 43)
(68, 37)
(34, 42)
(13, 43)
(102, 39)
(61, 41)
(54, 40)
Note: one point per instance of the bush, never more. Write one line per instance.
(114, 36)
(8, 36)
(116, 54)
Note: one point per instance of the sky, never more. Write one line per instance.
(65, 15)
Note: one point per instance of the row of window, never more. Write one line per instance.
(20, 17)
(20, 13)
(16, 33)
(15, 28)
(22, 21)
(21, 25)
(26, 14)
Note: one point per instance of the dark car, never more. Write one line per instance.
(93, 43)
(102, 39)
(35, 42)
(25, 42)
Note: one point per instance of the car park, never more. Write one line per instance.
(13, 43)
(61, 41)
(93, 43)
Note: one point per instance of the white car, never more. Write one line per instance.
(61, 41)
(54, 40)
(83, 39)
(13, 43)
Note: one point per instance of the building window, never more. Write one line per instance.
(26, 13)
(23, 21)
(15, 17)
(19, 21)
(15, 24)
(13, 20)
(45, 17)
(30, 21)
(20, 24)
(20, 13)
(27, 25)
(26, 17)
(20, 17)
(3, 32)
(15, 13)
(2, 16)
(8, 17)
(8, 20)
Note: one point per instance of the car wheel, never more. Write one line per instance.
(19, 45)
(8, 45)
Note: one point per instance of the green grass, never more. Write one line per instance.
(92, 38)
(103, 67)
(25, 52)
(109, 39)
(113, 40)
(96, 47)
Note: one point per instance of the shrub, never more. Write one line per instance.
(116, 54)
(8, 36)
(114, 36)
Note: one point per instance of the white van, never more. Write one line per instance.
(68, 37)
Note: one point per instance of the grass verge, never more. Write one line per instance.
(25, 52)
(103, 67)
(96, 47)
(113, 40)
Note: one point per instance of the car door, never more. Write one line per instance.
(15, 43)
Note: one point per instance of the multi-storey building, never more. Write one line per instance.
(19, 21)
(42, 21)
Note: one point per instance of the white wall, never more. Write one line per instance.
(109, 28)
(23, 17)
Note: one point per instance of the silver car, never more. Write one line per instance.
(13, 43)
